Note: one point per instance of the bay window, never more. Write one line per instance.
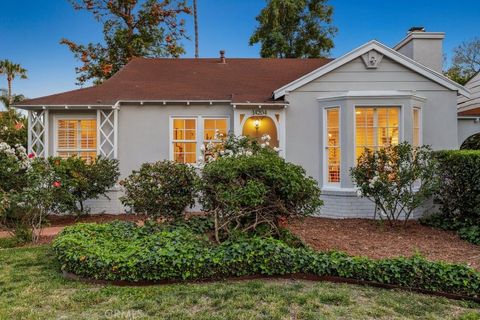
(416, 121)
(332, 145)
(376, 127)
(189, 133)
(77, 137)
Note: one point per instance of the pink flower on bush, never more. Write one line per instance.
(57, 184)
(31, 155)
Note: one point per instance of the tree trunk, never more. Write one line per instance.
(9, 97)
(195, 20)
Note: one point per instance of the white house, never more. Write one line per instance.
(321, 113)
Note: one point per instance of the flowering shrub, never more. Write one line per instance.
(79, 181)
(13, 128)
(233, 146)
(30, 206)
(244, 191)
(163, 188)
(14, 163)
(397, 179)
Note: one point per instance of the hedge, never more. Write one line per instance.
(124, 251)
(459, 190)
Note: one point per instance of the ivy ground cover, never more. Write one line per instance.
(125, 251)
(32, 288)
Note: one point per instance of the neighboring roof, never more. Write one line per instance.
(237, 80)
(386, 51)
(471, 106)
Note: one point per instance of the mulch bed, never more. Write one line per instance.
(358, 237)
(363, 237)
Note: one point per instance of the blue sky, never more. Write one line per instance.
(31, 30)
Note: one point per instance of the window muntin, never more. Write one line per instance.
(191, 132)
(332, 145)
(416, 118)
(376, 127)
(212, 126)
(77, 137)
(185, 140)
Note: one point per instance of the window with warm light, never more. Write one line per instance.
(212, 126)
(190, 133)
(185, 140)
(77, 138)
(376, 127)
(416, 118)
(332, 145)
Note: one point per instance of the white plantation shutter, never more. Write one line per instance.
(77, 138)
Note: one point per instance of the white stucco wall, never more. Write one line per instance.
(144, 131)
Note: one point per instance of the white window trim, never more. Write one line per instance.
(57, 118)
(326, 183)
(420, 125)
(199, 132)
(401, 123)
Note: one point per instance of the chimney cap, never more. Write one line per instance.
(222, 56)
(416, 29)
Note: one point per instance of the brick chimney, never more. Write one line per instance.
(423, 47)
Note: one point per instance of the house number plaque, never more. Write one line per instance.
(259, 112)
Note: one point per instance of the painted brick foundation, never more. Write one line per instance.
(338, 204)
(341, 204)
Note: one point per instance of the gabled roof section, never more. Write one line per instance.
(144, 79)
(471, 106)
(386, 51)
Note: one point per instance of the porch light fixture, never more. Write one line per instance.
(256, 123)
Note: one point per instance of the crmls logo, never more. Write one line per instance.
(259, 112)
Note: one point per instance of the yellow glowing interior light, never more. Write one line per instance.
(256, 123)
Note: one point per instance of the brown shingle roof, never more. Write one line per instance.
(238, 80)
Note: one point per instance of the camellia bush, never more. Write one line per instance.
(14, 163)
(79, 181)
(397, 179)
(30, 206)
(13, 128)
(102, 251)
(160, 189)
(27, 187)
(244, 190)
(233, 146)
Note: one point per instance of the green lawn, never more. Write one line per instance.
(32, 288)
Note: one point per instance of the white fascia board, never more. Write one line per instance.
(386, 51)
(61, 106)
(116, 105)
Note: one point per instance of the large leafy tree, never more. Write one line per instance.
(131, 28)
(295, 29)
(11, 71)
(465, 62)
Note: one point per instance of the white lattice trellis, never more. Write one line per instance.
(107, 132)
(38, 132)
